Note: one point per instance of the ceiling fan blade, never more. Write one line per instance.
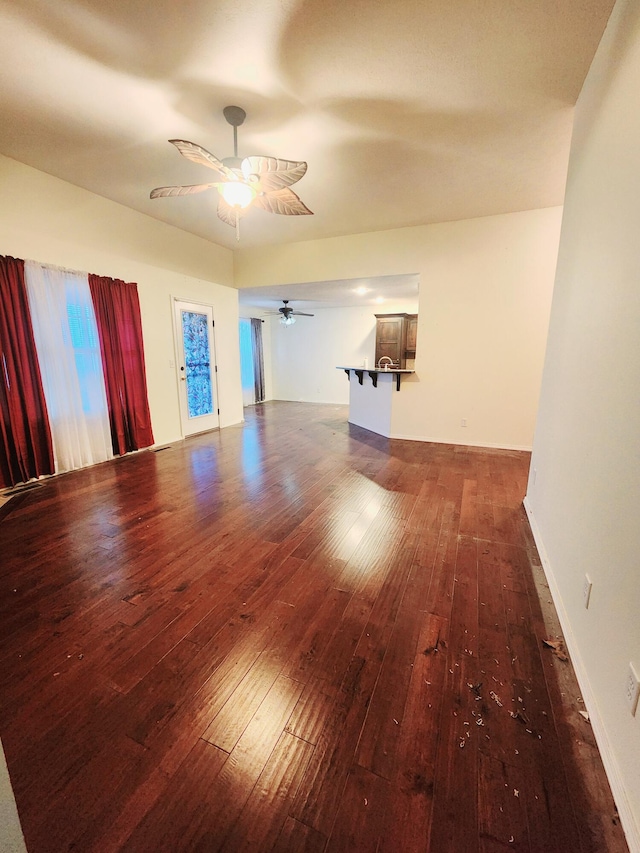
(171, 192)
(272, 173)
(283, 201)
(200, 155)
(301, 314)
(228, 213)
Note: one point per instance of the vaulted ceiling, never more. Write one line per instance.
(406, 111)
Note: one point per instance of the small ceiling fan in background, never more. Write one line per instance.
(255, 181)
(287, 314)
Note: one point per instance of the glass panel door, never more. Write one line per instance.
(196, 368)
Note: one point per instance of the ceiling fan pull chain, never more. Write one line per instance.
(237, 226)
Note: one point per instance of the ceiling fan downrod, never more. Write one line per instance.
(235, 116)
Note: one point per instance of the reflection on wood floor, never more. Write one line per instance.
(293, 635)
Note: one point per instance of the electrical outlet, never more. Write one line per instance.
(632, 689)
(463, 422)
(586, 590)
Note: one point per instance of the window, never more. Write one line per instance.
(65, 332)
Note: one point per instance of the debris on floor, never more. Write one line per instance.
(434, 648)
(495, 698)
(520, 715)
(557, 648)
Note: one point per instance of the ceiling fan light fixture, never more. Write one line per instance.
(287, 321)
(237, 193)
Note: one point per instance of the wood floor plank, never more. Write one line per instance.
(115, 765)
(323, 783)
(227, 727)
(249, 759)
(381, 731)
(358, 823)
(469, 509)
(321, 626)
(297, 837)
(262, 819)
(502, 812)
(176, 821)
(408, 813)
(455, 827)
(312, 709)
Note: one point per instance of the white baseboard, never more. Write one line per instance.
(627, 818)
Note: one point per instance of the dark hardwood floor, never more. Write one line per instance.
(291, 636)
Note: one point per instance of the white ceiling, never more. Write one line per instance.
(406, 111)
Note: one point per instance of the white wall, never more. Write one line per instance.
(48, 220)
(11, 838)
(585, 498)
(305, 355)
(485, 296)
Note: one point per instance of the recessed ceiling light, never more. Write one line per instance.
(379, 300)
(361, 291)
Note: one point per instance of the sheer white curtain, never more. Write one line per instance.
(66, 337)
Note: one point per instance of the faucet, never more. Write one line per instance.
(386, 359)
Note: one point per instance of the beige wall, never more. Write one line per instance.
(11, 838)
(485, 296)
(48, 220)
(584, 497)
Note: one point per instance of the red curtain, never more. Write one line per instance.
(26, 450)
(120, 330)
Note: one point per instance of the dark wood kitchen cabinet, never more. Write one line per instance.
(412, 335)
(396, 337)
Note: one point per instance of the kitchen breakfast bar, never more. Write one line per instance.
(372, 392)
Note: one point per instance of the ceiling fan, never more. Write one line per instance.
(288, 315)
(255, 181)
